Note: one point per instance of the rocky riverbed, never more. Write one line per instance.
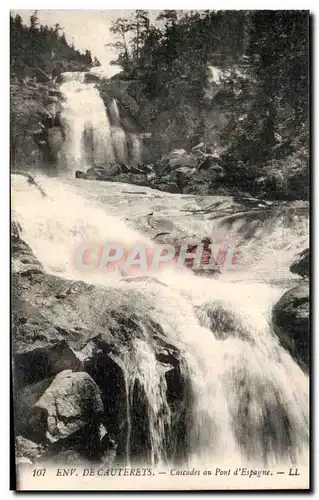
(84, 353)
(71, 388)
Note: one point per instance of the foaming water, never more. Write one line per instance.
(84, 109)
(90, 137)
(268, 240)
(119, 142)
(249, 398)
(55, 226)
(114, 113)
(150, 376)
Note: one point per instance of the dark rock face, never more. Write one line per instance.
(301, 264)
(71, 376)
(167, 186)
(116, 173)
(47, 355)
(27, 451)
(92, 78)
(178, 172)
(190, 173)
(34, 111)
(291, 322)
(80, 175)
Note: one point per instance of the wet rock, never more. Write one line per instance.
(220, 318)
(177, 153)
(99, 359)
(39, 349)
(104, 173)
(92, 78)
(56, 93)
(23, 461)
(197, 187)
(166, 185)
(191, 173)
(69, 404)
(27, 451)
(23, 259)
(291, 322)
(140, 444)
(186, 161)
(138, 179)
(175, 384)
(77, 448)
(301, 264)
(52, 98)
(24, 403)
(200, 146)
(183, 177)
(60, 325)
(179, 397)
(110, 446)
(55, 140)
(80, 175)
(96, 173)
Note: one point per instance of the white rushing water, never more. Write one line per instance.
(93, 136)
(250, 399)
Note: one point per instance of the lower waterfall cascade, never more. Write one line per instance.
(249, 397)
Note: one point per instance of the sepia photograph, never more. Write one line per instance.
(160, 258)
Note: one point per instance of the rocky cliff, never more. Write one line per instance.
(73, 347)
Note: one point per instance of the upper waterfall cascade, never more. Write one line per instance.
(93, 134)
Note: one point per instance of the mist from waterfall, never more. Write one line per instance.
(249, 398)
(93, 135)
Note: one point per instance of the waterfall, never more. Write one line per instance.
(150, 376)
(249, 397)
(93, 135)
(119, 143)
(83, 112)
(114, 114)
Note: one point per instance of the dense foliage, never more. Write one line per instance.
(263, 56)
(35, 49)
(253, 114)
(38, 54)
(273, 102)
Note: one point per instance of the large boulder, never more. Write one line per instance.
(167, 186)
(301, 264)
(27, 448)
(291, 322)
(22, 259)
(186, 161)
(92, 78)
(189, 173)
(39, 349)
(103, 173)
(130, 178)
(70, 403)
(26, 451)
(71, 342)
